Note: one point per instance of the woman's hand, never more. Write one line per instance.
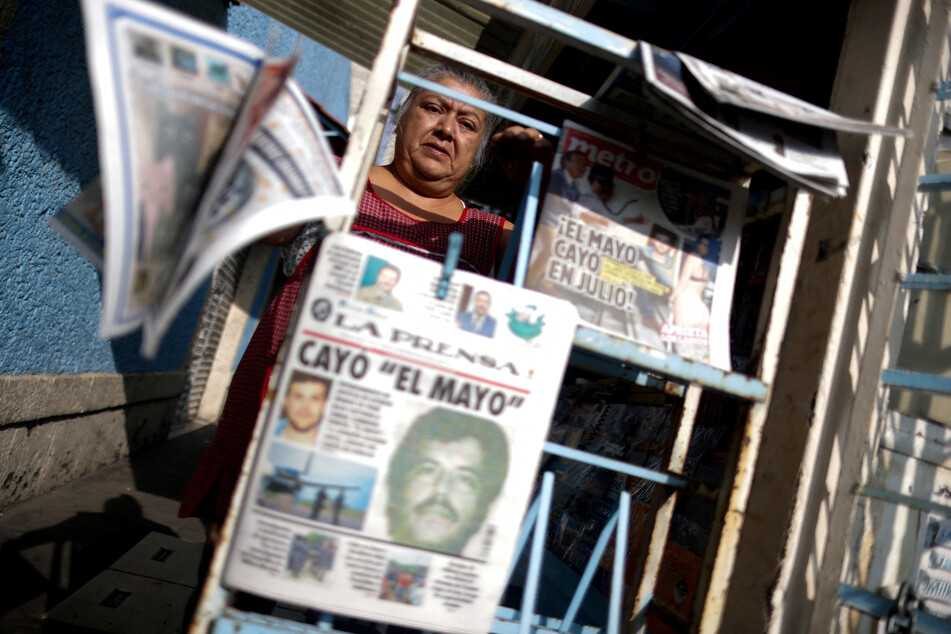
(516, 147)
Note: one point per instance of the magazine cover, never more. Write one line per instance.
(396, 462)
(645, 250)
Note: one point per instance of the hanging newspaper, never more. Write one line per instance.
(205, 145)
(792, 138)
(645, 250)
(395, 465)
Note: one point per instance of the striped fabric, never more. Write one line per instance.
(380, 221)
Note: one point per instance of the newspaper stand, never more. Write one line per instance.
(593, 349)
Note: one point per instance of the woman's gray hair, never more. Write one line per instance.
(439, 72)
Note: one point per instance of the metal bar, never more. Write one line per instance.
(521, 81)
(565, 27)
(918, 381)
(572, 612)
(505, 622)
(905, 500)
(523, 536)
(528, 213)
(326, 622)
(615, 465)
(879, 607)
(501, 111)
(927, 282)
(523, 231)
(934, 182)
(371, 117)
(715, 575)
(655, 550)
(533, 577)
(622, 352)
(617, 572)
(215, 599)
(238, 622)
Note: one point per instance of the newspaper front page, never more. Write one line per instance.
(181, 186)
(397, 460)
(645, 250)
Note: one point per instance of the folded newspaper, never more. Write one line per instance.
(205, 145)
(792, 138)
(395, 463)
(646, 250)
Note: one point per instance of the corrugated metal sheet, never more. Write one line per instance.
(354, 28)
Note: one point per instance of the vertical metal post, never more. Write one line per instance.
(533, 577)
(617, 572)
(715, 576)
(589, 571)
(524, 230)
(368, 127)
(675, 464)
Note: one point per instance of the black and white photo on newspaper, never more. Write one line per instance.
(399, 453)
(168, 90)
(643, 248)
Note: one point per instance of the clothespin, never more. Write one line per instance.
(449, 264)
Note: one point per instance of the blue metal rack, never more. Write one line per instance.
(593, 350)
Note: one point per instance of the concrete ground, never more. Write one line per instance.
(54, 544)
(63, 554)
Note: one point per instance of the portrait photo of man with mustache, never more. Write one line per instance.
(443, 478)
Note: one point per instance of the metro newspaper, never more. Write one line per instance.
(645, 249)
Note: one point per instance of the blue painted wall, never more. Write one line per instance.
(49, 294)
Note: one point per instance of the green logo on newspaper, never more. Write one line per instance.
(526, 323)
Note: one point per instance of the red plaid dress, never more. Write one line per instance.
(375, 220)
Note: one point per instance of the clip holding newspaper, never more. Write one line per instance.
(396, 462)
(645, 250)
(205, 145)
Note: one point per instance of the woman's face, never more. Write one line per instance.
(438, 139)
(703, 246)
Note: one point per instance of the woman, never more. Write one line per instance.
(410, 204)
(687, 305)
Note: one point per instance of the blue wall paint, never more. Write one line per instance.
(50, 295)
(323, 74)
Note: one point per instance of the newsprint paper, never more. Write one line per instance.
(205, 146)
(645, 250)
(397, 461)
